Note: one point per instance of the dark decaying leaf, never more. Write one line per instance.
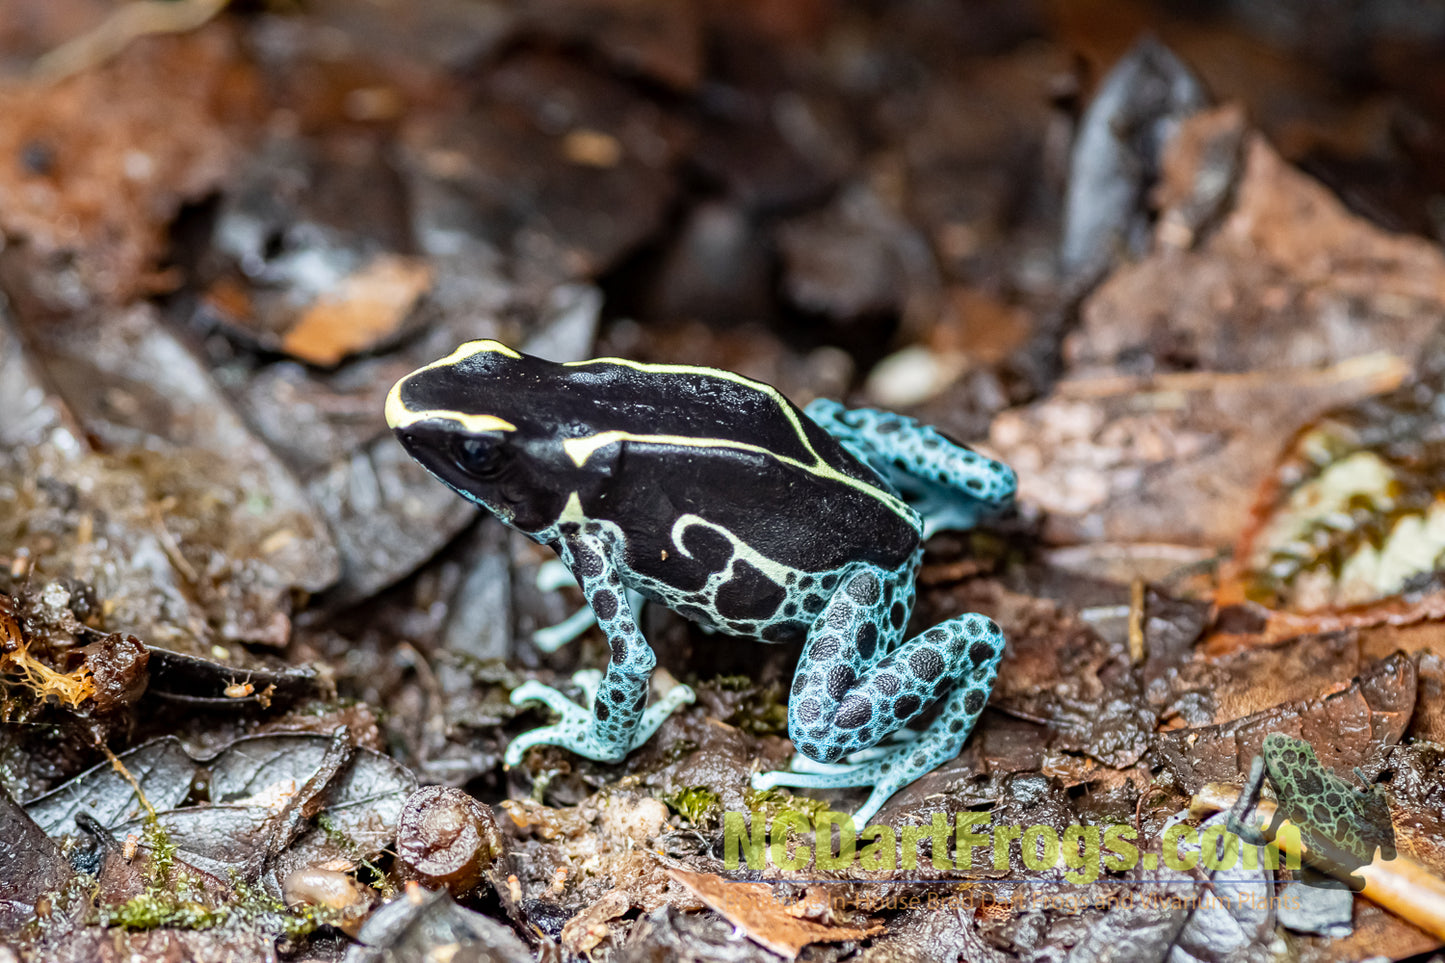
(507, 169)
(1286, 279)
(1113, 458)
(190, 100)
(33, 864)
(251, 782)
(1118, 156)
(163, 769)
(178, 677)
(428, 925)
(199, 534)
(311, 253)
(1350, 727)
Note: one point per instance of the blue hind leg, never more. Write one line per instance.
(854, 687)
(950, 485)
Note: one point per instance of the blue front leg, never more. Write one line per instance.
(853, 687)
(617, 722)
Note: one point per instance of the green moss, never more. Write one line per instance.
(762, 713)
(376, 877)
(771, 802)
(732, 683)
(176, 899)
(699, 805)
(152, 910)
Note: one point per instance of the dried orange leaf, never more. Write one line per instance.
(753, 908)
(369, 306)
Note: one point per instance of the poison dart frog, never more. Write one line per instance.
(714, 495)
(1340, 825)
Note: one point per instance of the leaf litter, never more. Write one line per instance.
(239, 628)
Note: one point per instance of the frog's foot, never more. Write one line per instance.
(886, 775)
(1239, 821)
(894, 770)
(553, 637)
(575, 730)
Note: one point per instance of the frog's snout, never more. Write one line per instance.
(401, 415)
(397, 415)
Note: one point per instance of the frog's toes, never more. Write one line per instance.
(553, 575)
(674, 699)
(553, 637)
(577, 730)
(534, 691)
(903, 763)
(886, 777)
(589, 681)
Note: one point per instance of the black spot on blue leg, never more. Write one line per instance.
(864, 587)
(866, 641)
(973, 702)
(604, 603)
(855, 712)
(906, 706)
(824, 649)
(926, 664)
(585, 562)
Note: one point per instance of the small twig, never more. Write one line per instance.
(115, 33)
(1136, 621)
(119, 766)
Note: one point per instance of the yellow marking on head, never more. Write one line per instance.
(476, 424)
(398, 415)
(465, 351)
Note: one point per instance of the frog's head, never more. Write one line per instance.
(466, 419)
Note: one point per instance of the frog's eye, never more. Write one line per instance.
(478, 457)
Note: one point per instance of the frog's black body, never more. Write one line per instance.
(716, 496)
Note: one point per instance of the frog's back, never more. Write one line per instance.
(706, 404)
(736, 453)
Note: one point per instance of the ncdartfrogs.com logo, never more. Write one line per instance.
(969, 841)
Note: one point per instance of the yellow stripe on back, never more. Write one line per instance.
(580, 449)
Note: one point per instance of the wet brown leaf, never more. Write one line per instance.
(114, 152)
(1348, 726)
